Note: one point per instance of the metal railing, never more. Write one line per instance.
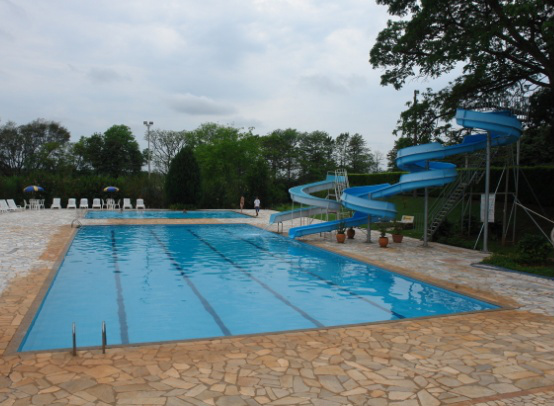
(452, 194)
(74, 338)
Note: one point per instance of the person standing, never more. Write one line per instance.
(257, 205)
(241, 203)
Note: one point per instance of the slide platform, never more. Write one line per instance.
(424, 170)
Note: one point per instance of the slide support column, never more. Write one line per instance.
(487, 187)
(426, 214)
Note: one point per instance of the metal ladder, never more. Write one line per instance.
(341, 183)
(453, 193)
(79, 214)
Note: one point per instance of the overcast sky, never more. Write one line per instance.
(266, 64)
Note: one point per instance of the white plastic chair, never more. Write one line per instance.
(140, 204)
(56, 203)
(127, 204)
(71, 203)
(4, 206)
(83, 204)
(12, 206)
(96, 204)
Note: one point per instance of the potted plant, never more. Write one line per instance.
(350, 233)
(383, 239)
(341, 230)
(397, 232)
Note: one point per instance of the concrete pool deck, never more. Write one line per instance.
(503, 357)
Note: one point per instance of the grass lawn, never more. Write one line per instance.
(504, 256)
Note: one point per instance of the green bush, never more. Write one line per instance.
(533, 249)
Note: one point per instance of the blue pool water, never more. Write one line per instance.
(148, 214)
(160, 283)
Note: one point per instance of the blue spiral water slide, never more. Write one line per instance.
(420, 162)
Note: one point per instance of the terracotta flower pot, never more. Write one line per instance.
(383, 242)
(397, 237)
(350, 233)
(341, 238)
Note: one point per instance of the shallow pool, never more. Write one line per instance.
(162, 214)
(176, 282)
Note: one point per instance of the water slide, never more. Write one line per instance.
(419, 160)
(316, 205)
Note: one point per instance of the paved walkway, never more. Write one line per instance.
(501, 357)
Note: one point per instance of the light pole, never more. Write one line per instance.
(148, 124)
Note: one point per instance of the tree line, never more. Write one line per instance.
(231, 161)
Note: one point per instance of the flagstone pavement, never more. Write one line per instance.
(501, 357)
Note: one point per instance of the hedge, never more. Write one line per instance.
(79, 186)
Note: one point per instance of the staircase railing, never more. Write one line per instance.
(452, 194)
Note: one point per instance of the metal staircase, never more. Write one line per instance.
(452, 194)
(341, 183)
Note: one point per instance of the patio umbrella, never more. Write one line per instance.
(33, 188)
(111, 189)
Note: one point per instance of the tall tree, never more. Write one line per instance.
(38, 145)
(225, 155)
(316, 156)
(341, 150)
(182, 183)
(502, 44)
(360, 158)
(280, 149)
(506, 48)
(164, 145)
(114, 153)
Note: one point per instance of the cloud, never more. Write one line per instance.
(105, 75)
(323, 84)
(339, 85)
(199, 105)
(264, 63)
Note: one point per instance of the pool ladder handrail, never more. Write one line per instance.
(74, 338)
(80, 213)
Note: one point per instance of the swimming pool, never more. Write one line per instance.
(176, 282)
(161, 214)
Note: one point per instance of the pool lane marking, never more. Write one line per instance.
(264, 285)
(193, 287)
(328, 282)
(121, 314)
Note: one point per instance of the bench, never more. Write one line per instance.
(407, 221)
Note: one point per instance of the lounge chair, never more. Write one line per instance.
(4, 206)
(56, 203)
(83, 204)
(127, 204)
(96, 204)
(12, 206)
(140, 204)
(71, 204)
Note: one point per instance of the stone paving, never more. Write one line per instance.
(503, 357)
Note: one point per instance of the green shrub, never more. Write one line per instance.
(533, 249)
